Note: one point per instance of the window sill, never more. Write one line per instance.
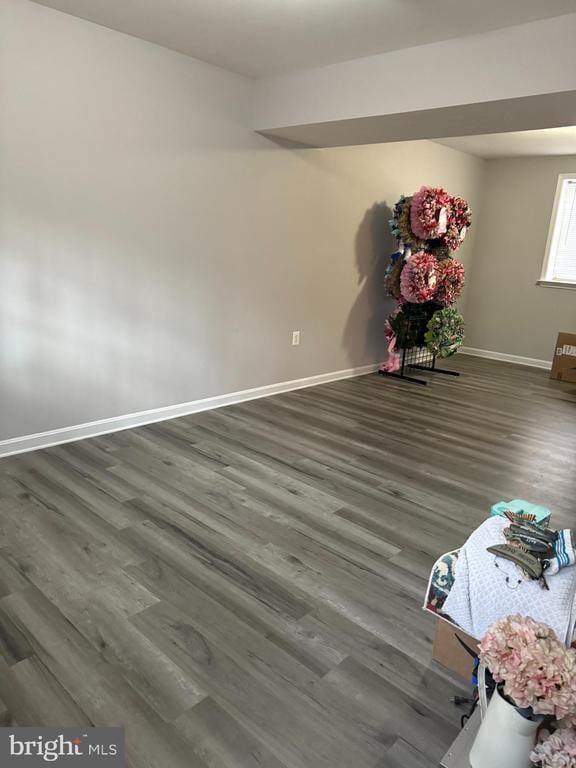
(556, 284)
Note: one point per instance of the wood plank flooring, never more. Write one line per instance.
(242, 588)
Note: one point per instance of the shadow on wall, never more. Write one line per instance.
(364, 332)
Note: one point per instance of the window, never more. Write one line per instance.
(559, 268)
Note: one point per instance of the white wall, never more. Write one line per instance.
(154, 250)
(506, 311)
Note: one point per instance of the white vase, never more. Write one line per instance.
(505, 738)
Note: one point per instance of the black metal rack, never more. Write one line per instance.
(410, 340)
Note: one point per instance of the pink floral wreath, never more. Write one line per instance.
(419, 278)
(450, 281)
(459, 219)
(429, 211)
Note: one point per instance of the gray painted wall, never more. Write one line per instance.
(505, 310)
(154, 250)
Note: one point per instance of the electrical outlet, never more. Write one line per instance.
(295, 338)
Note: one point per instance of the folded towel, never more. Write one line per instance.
(564, 552)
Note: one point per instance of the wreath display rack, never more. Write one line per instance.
(426, 280)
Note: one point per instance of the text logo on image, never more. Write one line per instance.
(33, 747)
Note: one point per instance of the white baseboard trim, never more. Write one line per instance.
(94, 428)
(506, 358)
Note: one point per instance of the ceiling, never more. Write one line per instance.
(259, 38)
(550, 141)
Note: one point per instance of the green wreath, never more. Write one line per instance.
(445, 332)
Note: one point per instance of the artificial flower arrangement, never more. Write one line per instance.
(557, 748)
(400, 225)
(450, 282)
(429, 213)
(419, 278)
(444, 332)
(535, 670)
(428, 226)
(536, 673)
(459, 219)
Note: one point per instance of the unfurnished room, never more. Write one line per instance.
(288, 383)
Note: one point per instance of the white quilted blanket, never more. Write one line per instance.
(481, 594)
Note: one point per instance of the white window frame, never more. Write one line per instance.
(552, 238)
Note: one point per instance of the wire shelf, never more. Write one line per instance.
(411, 342)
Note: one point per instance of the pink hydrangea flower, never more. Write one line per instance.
(556, 750)
(536, 669)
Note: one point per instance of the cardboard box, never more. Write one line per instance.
(564, 363)
(448, 652)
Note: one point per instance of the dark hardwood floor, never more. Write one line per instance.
(243, 587)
